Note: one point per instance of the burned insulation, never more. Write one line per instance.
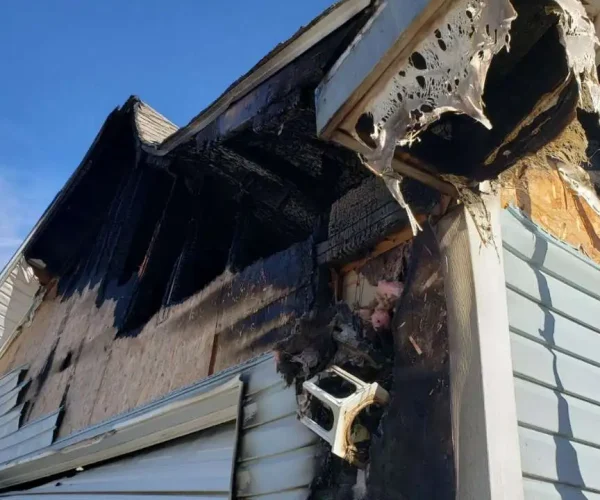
(405, 448)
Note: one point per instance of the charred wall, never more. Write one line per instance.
(76, 357)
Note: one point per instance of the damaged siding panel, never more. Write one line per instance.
(29, 438)
(182, 413)
(9, 422)
(277, 454)
(552, 296)
(9, 400)
(197, 466)
(18, 288)
(277, 474)
(10, 381)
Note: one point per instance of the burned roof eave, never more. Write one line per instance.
(71, 183)
(132, 114)
(277, 60)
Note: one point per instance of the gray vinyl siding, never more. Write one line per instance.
(553, 296)
(16, 440)
(274, 456)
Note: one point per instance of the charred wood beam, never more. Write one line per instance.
(236, 260)
(365, 215)
(310, 185)
(554, 112)
(320, 170)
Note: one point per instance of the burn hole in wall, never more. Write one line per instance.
(205, 250)
(66, 362)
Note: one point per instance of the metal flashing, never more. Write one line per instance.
(266, 453)
(164, 420)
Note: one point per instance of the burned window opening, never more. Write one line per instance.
(181, 282)
(203, 248)
(257, 240)
(160, 255)
(150, 194)
(205, 251)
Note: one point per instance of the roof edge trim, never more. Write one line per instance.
(336, 18)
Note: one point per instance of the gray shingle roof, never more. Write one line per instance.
(153, 128)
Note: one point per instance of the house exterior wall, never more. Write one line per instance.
(75, 358)
(268, 453)
(553, 295)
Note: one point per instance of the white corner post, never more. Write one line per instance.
(484, 415)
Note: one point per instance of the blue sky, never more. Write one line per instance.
(65, 64)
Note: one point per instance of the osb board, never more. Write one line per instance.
(260, 330)
(106, 376)
(159, 360)
(33, 347)
(88, 336)
(258, 304)
(537, 189)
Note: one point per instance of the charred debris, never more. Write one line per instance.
(257, 201)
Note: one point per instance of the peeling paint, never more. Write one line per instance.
(446, 73)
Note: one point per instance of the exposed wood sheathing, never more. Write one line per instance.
(535, 187)
(244, 314)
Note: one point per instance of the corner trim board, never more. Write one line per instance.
(484, 414)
